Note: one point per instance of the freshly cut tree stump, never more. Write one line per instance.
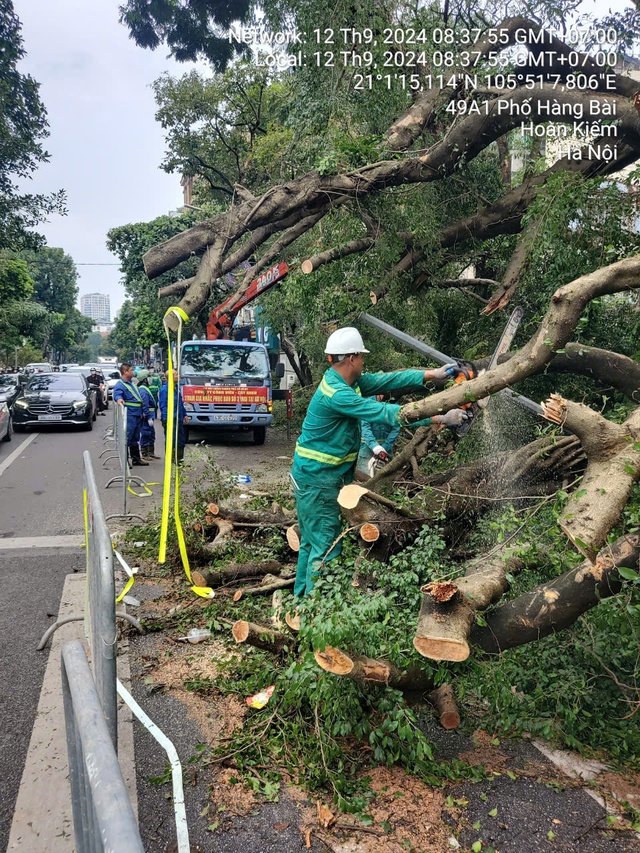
(259, 636)
(444, 701)
(448, 608)
(371, 670)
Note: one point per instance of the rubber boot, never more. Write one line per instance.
(135, 455)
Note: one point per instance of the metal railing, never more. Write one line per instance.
(103, 819)
(125, 477)
(100, 602)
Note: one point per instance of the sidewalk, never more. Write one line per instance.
(42, 821)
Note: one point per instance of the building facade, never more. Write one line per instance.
(97, 306)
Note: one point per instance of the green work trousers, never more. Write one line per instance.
(320, 525)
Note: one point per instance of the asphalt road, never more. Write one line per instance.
(40, 495)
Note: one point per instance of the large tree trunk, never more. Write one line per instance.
(557, 604)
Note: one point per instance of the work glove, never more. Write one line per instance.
(447, 371)
(380, 453)
(150, 421)
(454, 418)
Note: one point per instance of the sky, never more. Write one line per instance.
(105, 145)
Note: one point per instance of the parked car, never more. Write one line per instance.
(10, 386)
(5, 422)
(57, 398)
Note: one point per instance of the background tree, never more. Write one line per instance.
(191, 31)
(23, 126)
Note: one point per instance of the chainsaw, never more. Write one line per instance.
(469, 370)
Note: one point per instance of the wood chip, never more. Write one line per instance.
(237, 595)
(326, 817)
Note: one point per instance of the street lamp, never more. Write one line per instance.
(16, 358)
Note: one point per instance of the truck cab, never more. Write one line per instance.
(227, 385)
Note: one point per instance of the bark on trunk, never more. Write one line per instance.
(260, 637)
(557, 604)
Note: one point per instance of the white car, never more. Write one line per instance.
(111, 378)
(5, 421)
(38, 367)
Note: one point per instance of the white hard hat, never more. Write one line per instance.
(344, 342)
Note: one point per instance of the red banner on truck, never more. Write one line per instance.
(227, 394)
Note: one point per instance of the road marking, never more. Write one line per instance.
(13, 456)
(41, 542)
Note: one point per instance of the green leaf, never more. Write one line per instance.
(581, 493)
(477, 825)
(476, 846)
(551, 835)
(493, 812)
(628, 574)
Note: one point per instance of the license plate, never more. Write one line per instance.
(49, 417)
(224, 417)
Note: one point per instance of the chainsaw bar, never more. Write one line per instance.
(506, 339)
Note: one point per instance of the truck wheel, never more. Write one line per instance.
(259, 434)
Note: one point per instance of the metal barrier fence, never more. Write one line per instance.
(125, 477)
(103, 818)
(100, 610)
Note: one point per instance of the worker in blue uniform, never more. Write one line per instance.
(126, 394)
(378, 444)
(147, 429)
(326, 452)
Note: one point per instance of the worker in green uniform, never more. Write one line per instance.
(327, 450)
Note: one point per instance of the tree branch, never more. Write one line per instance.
(562, 316)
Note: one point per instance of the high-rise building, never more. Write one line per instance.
(97, 306)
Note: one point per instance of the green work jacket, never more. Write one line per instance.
(328, 446)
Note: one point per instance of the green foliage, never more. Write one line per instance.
(191, 31)
(23, 126)
(15, 282)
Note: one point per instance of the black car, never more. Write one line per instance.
(10, 387)
(55, 398)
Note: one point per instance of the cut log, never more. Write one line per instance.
(557, 604)
(444, 701)
(371, 671)
(448, 608)
(293, 537)
(369, 532)
(264, 588)
(237, 571)
(351, 495)
(258, 517)
(259, 636)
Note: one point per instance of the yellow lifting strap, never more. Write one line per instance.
(170, 453)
